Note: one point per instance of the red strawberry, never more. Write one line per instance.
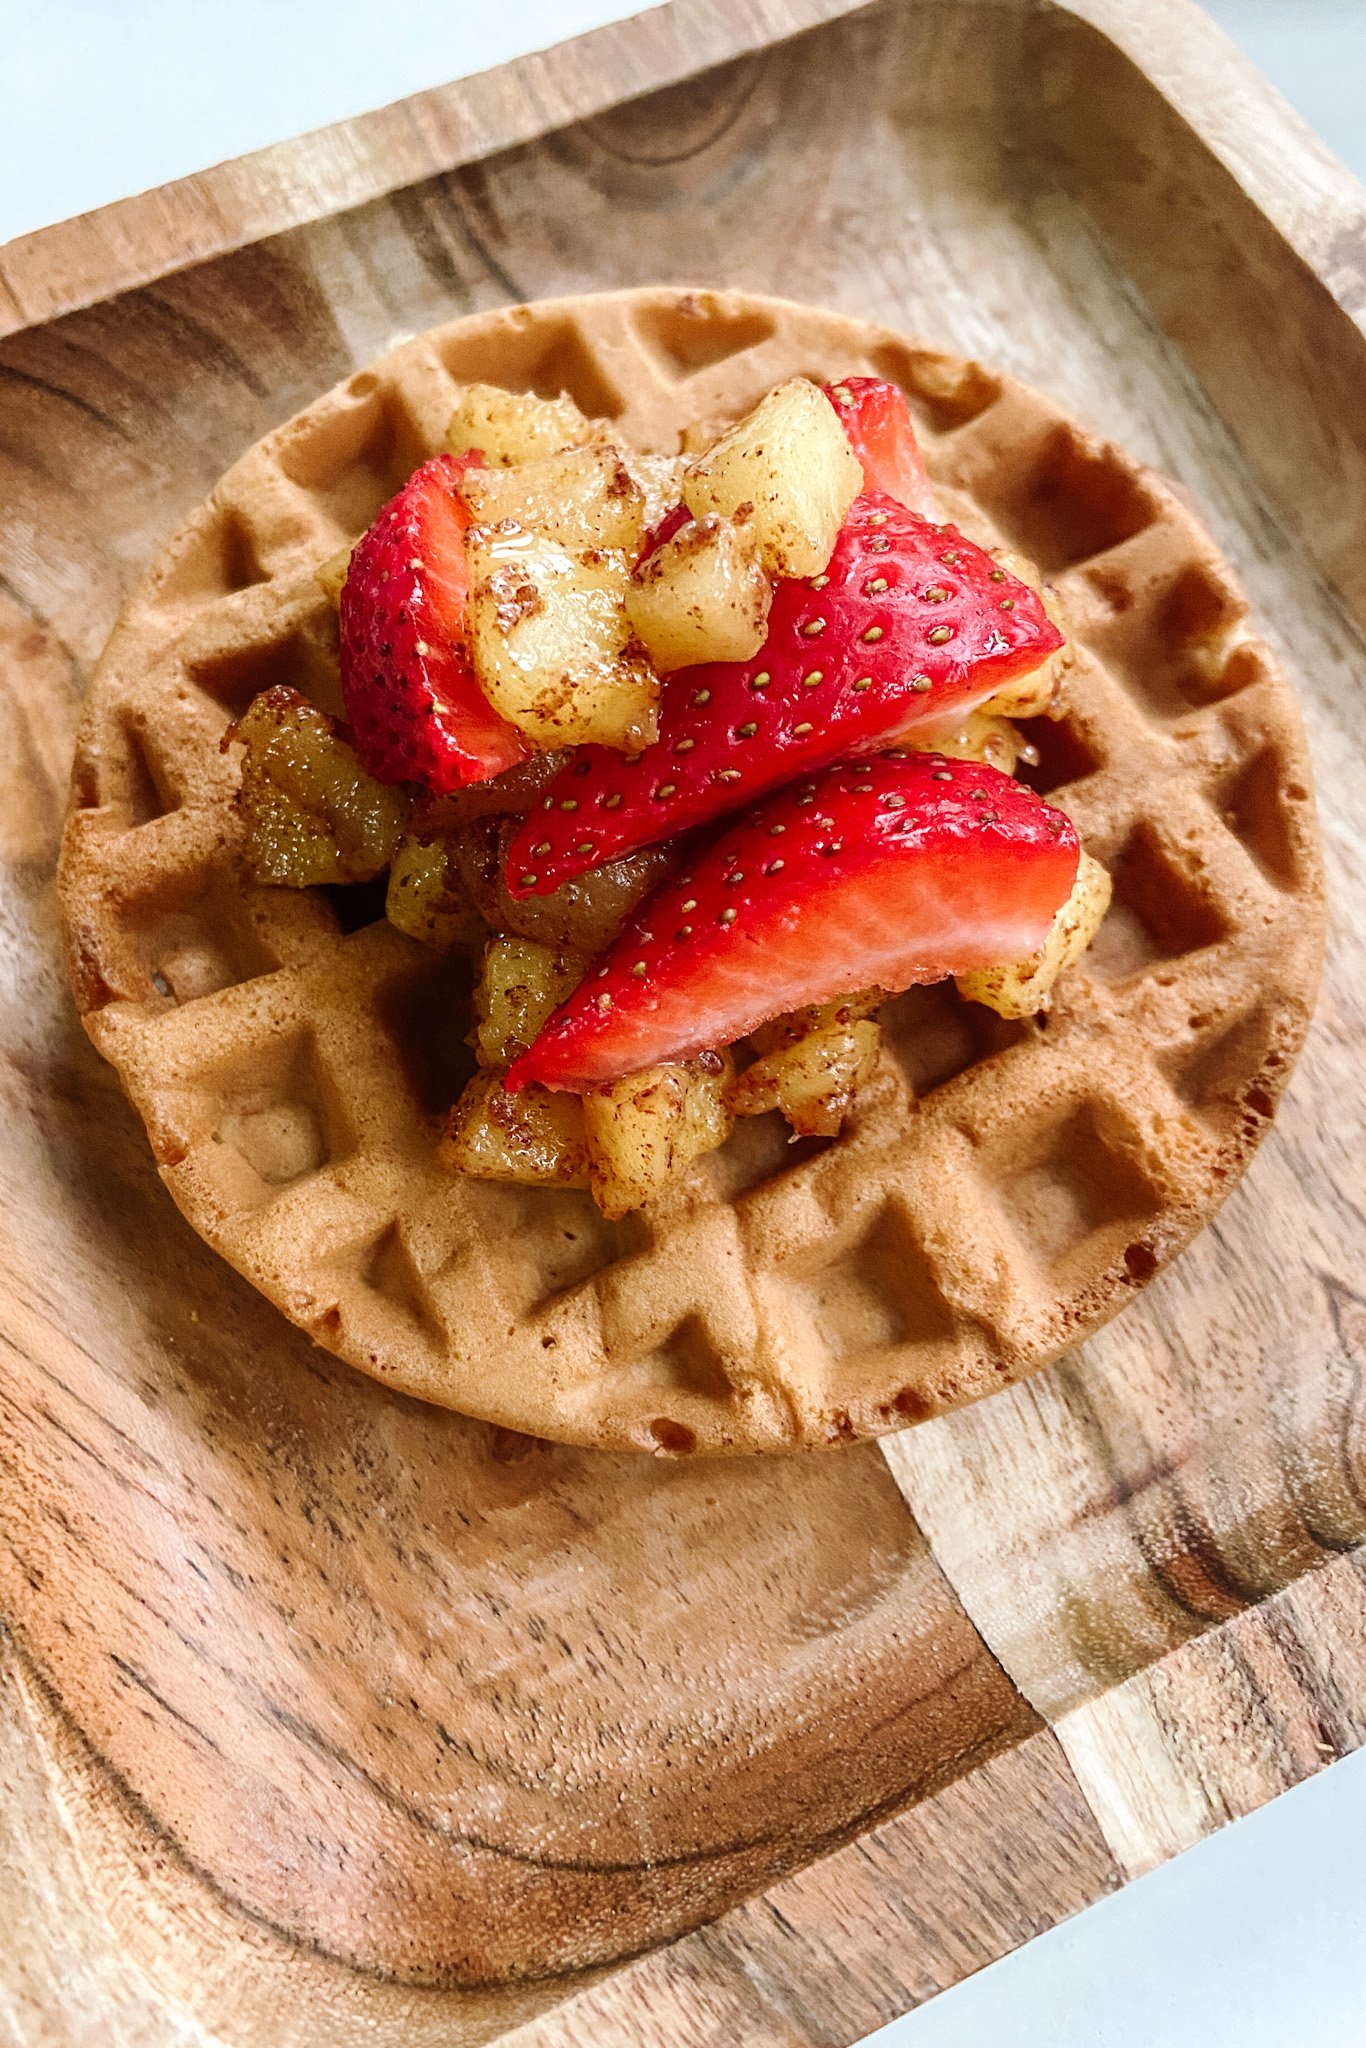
(877, 419)
(877, 875)
(412, 698)
(909, 622)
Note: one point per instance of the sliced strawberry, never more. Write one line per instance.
(879, 875)
(877, 419)
(412, 698)
(909, 623)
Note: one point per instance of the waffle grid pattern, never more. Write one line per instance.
(1002, 1188)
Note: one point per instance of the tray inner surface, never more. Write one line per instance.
(404, 1701)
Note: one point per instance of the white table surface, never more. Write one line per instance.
(1257, 1938)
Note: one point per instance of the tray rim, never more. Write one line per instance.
(1288, 194)
(1312, 200)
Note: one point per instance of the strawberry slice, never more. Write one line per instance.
(877, 419)
(909, 623)
(872, 875)
(412, 698)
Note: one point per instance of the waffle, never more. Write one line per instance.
(1001, 1189)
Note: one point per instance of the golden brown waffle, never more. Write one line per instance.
(1002, 1188)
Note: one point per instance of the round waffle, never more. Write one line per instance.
(1001, 1189)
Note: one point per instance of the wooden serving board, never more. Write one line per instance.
(323, 1715)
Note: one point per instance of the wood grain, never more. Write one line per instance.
(314, 1705)
(233, 205)
(845, 1946)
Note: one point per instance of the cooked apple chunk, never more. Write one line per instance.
(551, 642)
(520, 983)
(701, 596)
(581, 497)
(426, 897)
(509, 795)
(791, 462)
(973, 736)
(1035, 694)
(1025, 987)
(644, 1129)
(535, 1137)
(586, 913)
(812, 1064)
(699, 435)
(659, 479)
(515, 426)
(331, 574)
(313, 812)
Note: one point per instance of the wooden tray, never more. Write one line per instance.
(321, 1710)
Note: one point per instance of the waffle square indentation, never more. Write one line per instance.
(354, 453)
(943, 390)
(1159, 912)
(1071, 1180)
(216, 556)
(698, 331)
(235, 673)
(1264, 812)
(550, 358)
(284, 1121)
(1076, 499)
(877, 1291)
(933, 1035)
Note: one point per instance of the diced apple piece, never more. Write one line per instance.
(699, 435)
(520, 983)
(812, 1065)
(331, 574)
(582, 497)
(659, 479)
(586, 913)
(1025, 987)
(815, 1082)
(515, 426)
(1035, 694)
(789, 459)
(582, 916)
(794, 1025)
(313, 813)
(701, 596)
(473, 853)
(644, 1129)
(972, 736)
(509, 795)
(551, 643)
(426, 897)
(535, 1137)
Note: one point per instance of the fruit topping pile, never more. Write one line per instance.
(698, 755)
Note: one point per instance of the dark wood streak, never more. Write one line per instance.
(1197, 1585)
(159, 1700)
(741, 1845)
(423, 228)
(750, 76)
(130, 1799)
(452, 188)
(207, 338)
(1340, 1298)
(30, 380)
(23, 459)
(311, 1738)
